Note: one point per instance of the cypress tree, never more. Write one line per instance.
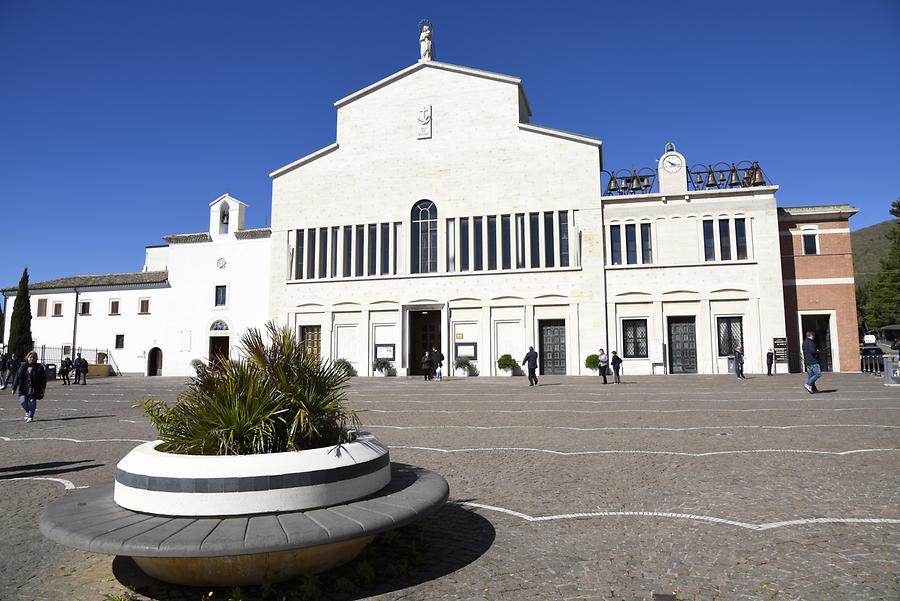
(882, 306)
(20, 341)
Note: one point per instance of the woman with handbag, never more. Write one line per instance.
(31, 381)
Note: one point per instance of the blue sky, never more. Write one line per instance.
(121, 120)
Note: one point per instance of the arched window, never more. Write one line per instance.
(218, 326)
(424, 237)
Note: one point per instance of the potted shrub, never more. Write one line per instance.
(506, 364)
(462, 367)
(592, 362)
(382, 367)
(344, 366)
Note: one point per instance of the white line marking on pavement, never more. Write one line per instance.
(683, 516)
(519, 399)
(68, 484)
(573, 411)
(7, 439)
(638, 452)
(441, 427)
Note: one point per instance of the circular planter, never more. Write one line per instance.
(505, 372)
(150, 481)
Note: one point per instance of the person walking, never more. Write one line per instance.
(12, 367)
(64, 368)
(426, 365)
(2, 371)
(30, 383)
(531, 359)
(603, 364)
(811, 361)
(739, 363)
(770, 360)
(437, 362)
(616, 363)
(81, 369)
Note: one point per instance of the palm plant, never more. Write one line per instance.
(278, 398)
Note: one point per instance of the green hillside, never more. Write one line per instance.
(870, 244)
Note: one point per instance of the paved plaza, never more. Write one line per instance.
(703, 487)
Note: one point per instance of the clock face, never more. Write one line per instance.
(672, 163)
(221, 263)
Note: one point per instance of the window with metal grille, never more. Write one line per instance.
(120, 340)
(634, 338)
(731, 335)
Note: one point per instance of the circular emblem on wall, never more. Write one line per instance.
(221, 262)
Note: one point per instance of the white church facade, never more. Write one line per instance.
(441, 216)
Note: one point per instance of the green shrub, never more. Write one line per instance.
(344, 365)
(277, 399)
(382, 365)
(592, 361)
(506, 362)
(463, 363)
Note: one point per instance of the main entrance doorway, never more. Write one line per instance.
(154, 362)
(682, 345)
(821, 325)
(424, 333)
(218, 348)
(552, 346)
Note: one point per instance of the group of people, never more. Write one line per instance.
(604, 362)
(29, 378)
(433, 364)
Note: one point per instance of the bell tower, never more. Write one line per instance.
(226, 215)
(672, 172)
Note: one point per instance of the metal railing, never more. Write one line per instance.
(874, 364)
(55, 355)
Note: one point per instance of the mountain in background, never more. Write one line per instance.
(870, 245)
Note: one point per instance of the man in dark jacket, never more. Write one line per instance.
(30, 383)
(81, 369)
(2, 371)
(811, 360)
(437, 363)
(531, 358)
(64, 368)
(770, 360)
(739, 363)
(12, 366)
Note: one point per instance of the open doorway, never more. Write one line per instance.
(154, 362)
(424, 333)
(218, 348)
(821, 325)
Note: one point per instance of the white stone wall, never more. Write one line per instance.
(478, 162)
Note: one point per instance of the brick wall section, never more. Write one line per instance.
(835, 260)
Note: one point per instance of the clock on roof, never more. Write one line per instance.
(672, 163)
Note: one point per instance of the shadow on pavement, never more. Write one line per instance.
(438, 545)
(41, 466)
(37, 472)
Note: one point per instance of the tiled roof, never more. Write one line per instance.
(188, 238)
(108, 279)
(262, 232)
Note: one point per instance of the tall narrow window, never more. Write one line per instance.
(42, 307)
(563, 238)
(451, 245)
(220, 297)
(492, 242)
(634, 338)
(373, 248)
(809, 244)
(334, 251)
(464, 244)
(709, 242)
(424, 237)
(724, 240)
(615, 244)
(311, 253)
(360, 250)
(478, 240)
(740, 238)
(630, 244)
(534, 233)
(520, 241)
(144, 306)
(549, 260)
(385, 248)
(646, 248)
(394, 246)
(505, 254)
(323, 252)
(298, 268)
(120, 341)
(114, 307)
(348, 251)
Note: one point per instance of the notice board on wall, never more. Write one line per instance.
(780, 347)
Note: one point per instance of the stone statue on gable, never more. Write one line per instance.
(426, 49)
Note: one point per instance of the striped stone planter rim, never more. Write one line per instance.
(150, 481)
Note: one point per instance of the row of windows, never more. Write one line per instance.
(631, 244)
(514, 241)
(346, 251)
(720, 230)
(730, 332)
(84, 307)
